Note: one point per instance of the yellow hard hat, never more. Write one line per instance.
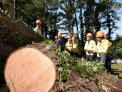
(100, 34)
(89, 34)
(74, 36)
(38, 21)
(56, 37)
(69, 36)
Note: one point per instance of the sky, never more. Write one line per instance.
(119, 24)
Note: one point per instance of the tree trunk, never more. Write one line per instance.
(81, 28)
(109, 27)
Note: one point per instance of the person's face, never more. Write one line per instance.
(69, 40)
(88, 38)
(38, 25)
(99, 38)
(73, 39)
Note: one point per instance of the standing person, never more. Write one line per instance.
(68, 45)
(89, 47)
(104, 49)
(61, 41)
(37, 29)
(75, 49)
(56, 40)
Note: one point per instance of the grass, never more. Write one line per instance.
(117, 69)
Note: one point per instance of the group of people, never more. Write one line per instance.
(103, 49)
(98, 49)
(70, 44)
(60, 41)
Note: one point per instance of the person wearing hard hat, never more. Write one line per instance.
(37, 29)
(89, 47)
(61, 41)
(104, 49)
(56, 40)
(69, 45)
(59, 34)
(75, 48)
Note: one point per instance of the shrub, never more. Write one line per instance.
(86, 69)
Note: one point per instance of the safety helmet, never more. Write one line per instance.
(89, 35)
(69, 37)
(38, 21)
(100, 34)
(56, 37)
(75, 36)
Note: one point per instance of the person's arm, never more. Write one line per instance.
(86, 47)
(35, 29)
(94, 46)
(66, 46)
(105, 46)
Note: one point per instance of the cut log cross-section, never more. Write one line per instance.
(29, 70)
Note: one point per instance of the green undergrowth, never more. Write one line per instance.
(47, 42)
(67, 63)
